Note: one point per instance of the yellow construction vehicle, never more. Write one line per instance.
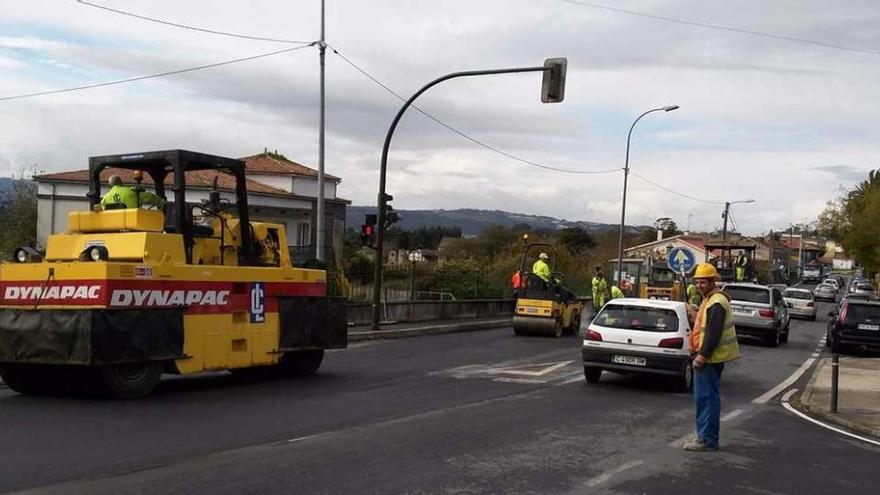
(543, 308)
(648, 278)
(127, 294)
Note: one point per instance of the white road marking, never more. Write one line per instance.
(519, 380)
(773, 392)
(518, 370)
(300, 439)
(732, 414)
(791, 409)
(604, 477)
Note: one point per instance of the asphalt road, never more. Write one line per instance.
(479, 412)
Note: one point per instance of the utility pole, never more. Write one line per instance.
(724, 216)
(319, 231)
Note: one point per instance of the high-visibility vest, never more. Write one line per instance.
(599, 288)
(616, 293)
(693, 295)
(728, 348)
(542, 269)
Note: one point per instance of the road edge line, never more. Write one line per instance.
(787, 405)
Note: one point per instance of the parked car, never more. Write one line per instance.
(639, 336)
(800, 303)
(759, 312)
(825, 292)
(863, 289)
(856, 324)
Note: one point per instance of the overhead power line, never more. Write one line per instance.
(151, 76)
(673, 191)
(726, 28)
(191, 28)
(463, 134)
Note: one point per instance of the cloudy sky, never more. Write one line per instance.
(781, 121)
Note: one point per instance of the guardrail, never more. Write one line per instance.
(360, 313)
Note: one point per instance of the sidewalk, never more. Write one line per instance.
(414, 329)
(858, 402)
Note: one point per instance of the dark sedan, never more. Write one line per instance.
(855, 325)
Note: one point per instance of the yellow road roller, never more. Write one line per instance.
(543, 308)
(127, 294)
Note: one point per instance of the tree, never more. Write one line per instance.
(18, 216)
(576, 240)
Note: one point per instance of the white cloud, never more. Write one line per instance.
(759, 118)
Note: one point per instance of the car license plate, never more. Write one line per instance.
(631, 360)
(741, 311)
(865, 326)
(532, 310)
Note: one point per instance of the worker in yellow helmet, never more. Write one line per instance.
(712, 343)
(131, 197)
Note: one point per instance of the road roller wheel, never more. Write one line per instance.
(130, 380)
(19, 378)
(302, 363)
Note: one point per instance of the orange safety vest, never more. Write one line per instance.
(694, 338)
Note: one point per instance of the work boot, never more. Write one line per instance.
(697, 445)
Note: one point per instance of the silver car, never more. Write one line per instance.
(825, 292)
(800, 303)
(760, 312)
(863, 289)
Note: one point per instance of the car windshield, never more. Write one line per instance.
(857, 313)
(796, 294)
(638, 318)
(825, 287)
(748, 294)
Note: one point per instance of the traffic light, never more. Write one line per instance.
(553, 85)
(368, 229)
(391, 216)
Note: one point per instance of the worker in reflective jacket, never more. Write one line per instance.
(131, 197)
(740, 263)
(600, 287)
(616, 293)
(712, 343)
(693, 295)
(541, 268)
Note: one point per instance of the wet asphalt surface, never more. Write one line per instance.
(479, 412)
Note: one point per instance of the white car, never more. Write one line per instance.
(646, 336)
(832, 282)
(800, 303)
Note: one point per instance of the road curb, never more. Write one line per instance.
(428, 330)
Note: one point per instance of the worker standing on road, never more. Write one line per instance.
(600, 287)
(616, 293)
(542, 269)
(131, 197)
(740, 263)
(712, 343)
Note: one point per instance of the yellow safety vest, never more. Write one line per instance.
(600, 285)
(728, 348)
(542, 269)
(616, 293)
(693, 295)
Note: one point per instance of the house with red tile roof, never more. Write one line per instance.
(279, 190)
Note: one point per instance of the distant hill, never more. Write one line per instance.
(472, 221)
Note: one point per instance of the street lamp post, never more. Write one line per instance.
(668, 108)
(552, 91)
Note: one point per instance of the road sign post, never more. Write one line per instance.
(681, 261)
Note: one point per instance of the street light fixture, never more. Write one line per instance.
(667, 108)
(552, 91)
(726, 213)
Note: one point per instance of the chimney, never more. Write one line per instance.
(659, 235)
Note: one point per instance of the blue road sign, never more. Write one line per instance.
(680, 259)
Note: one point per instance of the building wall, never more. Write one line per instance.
(305, 186)
(660, 249)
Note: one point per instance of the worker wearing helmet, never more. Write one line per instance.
(131, 197)
(712, 343)
(541, 268)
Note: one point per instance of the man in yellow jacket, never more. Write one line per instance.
(131, 197)
(600, 287)
(712, 343)
(542, 269)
